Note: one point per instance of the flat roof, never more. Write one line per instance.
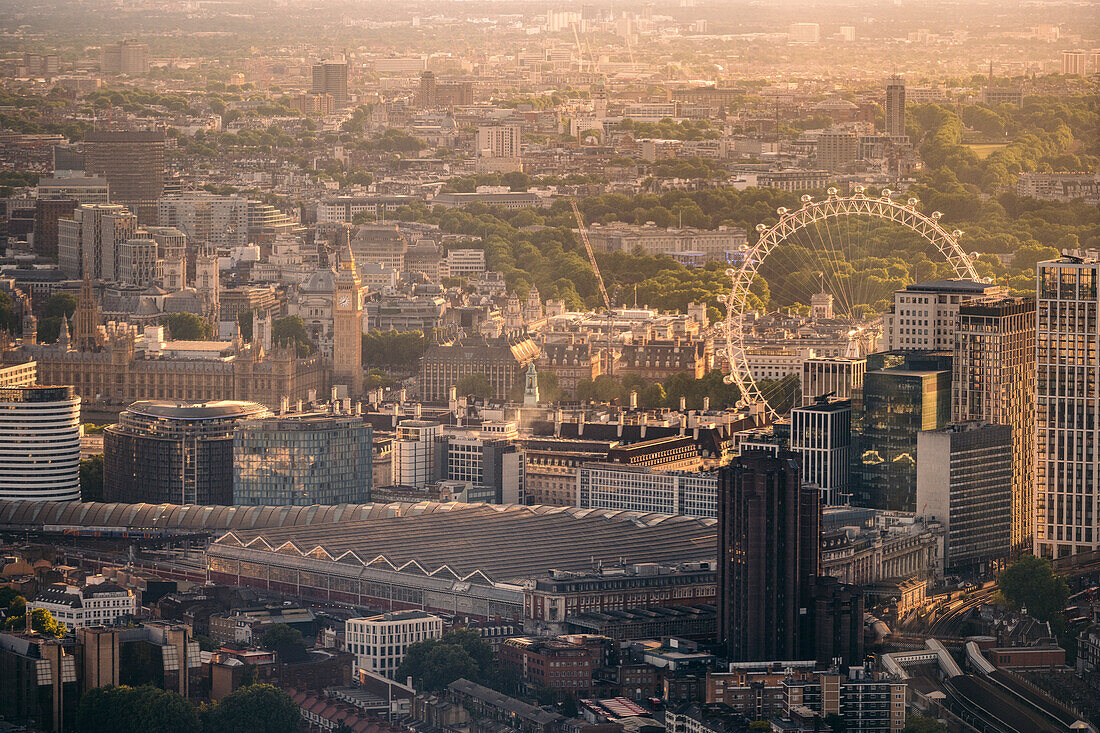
(972, 286)
(173, 410)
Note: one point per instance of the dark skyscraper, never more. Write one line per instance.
(427, 89)
(895, 106)
(903, 394)
(46, 213)
(331, 77)
(769, 529)
(772, 604)
(133, 162)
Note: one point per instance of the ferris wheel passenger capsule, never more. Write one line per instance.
(957, 233)
(914, 201)
(760, 227)
(858, 189)
(831, 191)
(782, 210)
(806, 198)
(886, 193)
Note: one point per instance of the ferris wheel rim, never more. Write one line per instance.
(882, 207)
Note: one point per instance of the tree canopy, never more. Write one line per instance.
(923, 724)
(394, 349)
(187, 327)
(136, 710)
(285, 641)
(435, 663)
(56, 307)
(12, 602)
(1030, 583)
(257, 708)
(474, 384)
(538, 247)
(42, 621)
(292, 330)
(91, 478)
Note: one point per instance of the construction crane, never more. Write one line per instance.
(611, 356)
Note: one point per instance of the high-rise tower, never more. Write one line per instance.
(331, 77)
(347, 315)
(133, 162)
(994, 381)
(1067, 479)
(769, 528)
(895, 106)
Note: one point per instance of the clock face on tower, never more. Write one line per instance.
(345, 301)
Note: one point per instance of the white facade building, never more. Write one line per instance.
(379, 642)
(414, 452)
(822, 434)
(221, 221)
(377, 276)
(804, 32)
(838, 376)
(1067, 490)
(344, 209)
(96, 604)
(776, 362)
(82, 189)
(637, 489)
(924, 314)
(39, 444)
(715, 244)
(486, 460)
(88, 243)
(462, 262)
(138, 263)
(499, 141)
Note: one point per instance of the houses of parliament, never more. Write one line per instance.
(114, 363)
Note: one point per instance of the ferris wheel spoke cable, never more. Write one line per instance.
(807, 247)
(841, 282)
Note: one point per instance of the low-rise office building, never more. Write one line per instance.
(100, 604)
(642, 489)
(379, 643)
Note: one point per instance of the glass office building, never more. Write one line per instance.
(302, 459)
(164, 452)
(902, 395)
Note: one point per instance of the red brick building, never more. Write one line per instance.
(556, 665)
(1023, 657)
